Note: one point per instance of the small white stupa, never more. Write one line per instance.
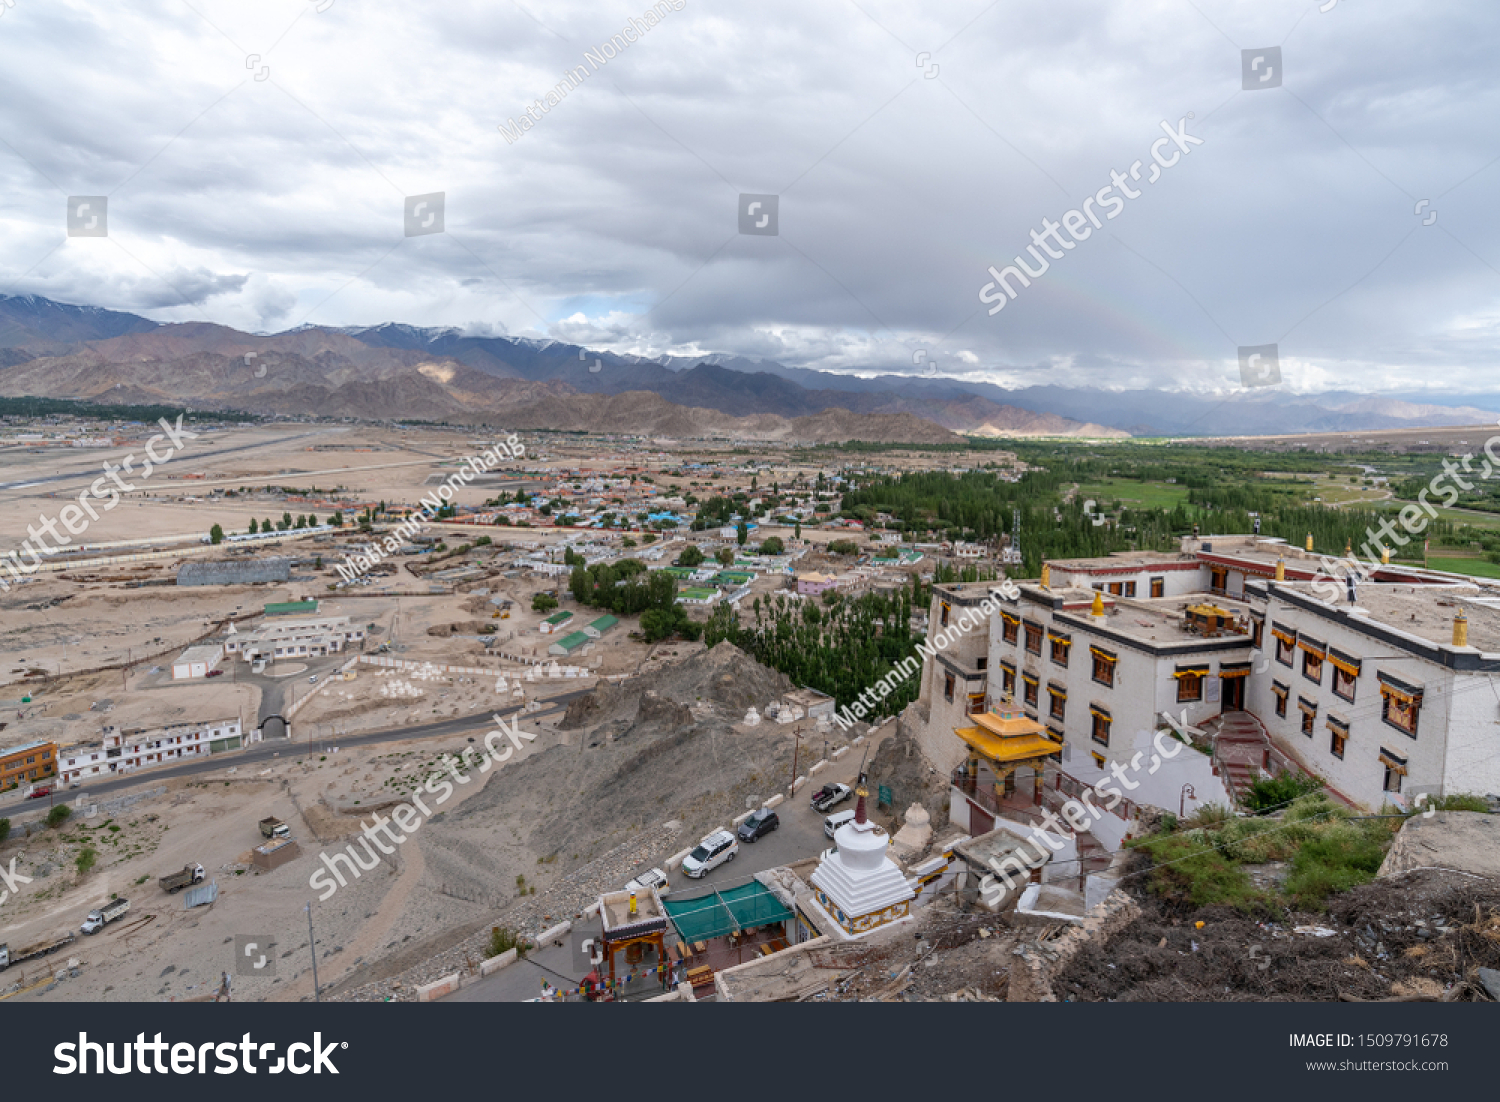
(914, 836)
(858, 886)
(752, 717)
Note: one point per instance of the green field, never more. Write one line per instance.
(1479, 568)
(1148, 495)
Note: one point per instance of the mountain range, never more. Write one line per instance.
(395, 371)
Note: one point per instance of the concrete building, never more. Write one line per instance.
(554, 622)
(317, 637)
(196, 662)
(597, 628)
(812, 583)
(1385, 698)
(126, 751)
(31, 761)
(569, 643)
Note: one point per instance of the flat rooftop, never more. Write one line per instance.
(1156, 620)
(615, 909)
(1427, 611)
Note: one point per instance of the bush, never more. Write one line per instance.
(1280, 790)
(86, 859)
(543, 602)
(58, 815)
(1208, 815)
(503, 939)
(1342, 857)
(772, 545)
(4, 829)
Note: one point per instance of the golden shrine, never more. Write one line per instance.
(1007, 739)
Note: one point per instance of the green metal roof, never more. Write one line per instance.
(604, 623)
(558, 618)
(291, 608)
(572, 641)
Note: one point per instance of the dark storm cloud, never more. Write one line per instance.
(268, 149)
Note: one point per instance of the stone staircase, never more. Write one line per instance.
(1242, 748)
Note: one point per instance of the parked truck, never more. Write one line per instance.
(106, 914)
(275, 828)
(40, 948)
(175, 882)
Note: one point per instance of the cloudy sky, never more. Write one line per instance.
(257, 158)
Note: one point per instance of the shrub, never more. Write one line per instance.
(58, 815)
(503, 939)
(1280, 790)
(4, 829)
(543, 602)
(1208, 815)
(86, 859)
(1341, 857)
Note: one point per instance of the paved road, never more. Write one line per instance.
(89, 476)
(799, 836)
(266, 751)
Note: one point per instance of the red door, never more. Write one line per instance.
(980, 820)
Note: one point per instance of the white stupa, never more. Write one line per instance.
(858, 886)
(752, 717)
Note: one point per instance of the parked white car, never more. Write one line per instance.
(651, 878)
(715, 850)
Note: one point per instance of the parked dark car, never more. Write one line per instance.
(759, 823)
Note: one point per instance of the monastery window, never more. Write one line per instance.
(1061, 646)
(1309, 710)
(1190, 683)
(1102, 721)
(1034, 638)
(1345, 673)
(1337, 741)
(1400, 704)
(948, 687)
(1104, 666)
(1281, 692)
(1029, 690)
(1010, 627)
(1059, 703)
(1158, 586)
(1395, 769)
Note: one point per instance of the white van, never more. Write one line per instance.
(836, 820)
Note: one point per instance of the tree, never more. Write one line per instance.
(797, 531)
(216, 535)
(254, 526)
(266, 525)
(648, 537)
(742, 533)
(772, 545)
(4, 829)
(692, 555)
(338, 518)
(543, 602)
(58, 814)
(725, 556)
(286, 521)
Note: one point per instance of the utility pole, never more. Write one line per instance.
(796, 746)
(312, 945)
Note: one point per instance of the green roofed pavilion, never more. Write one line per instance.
(725, 912)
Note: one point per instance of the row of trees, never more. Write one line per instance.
(840, 647)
